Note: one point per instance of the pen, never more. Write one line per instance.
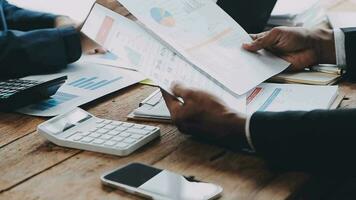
(328, 69)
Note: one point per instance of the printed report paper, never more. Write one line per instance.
(207, 37)
(86, 82)
(136, 48)
(290, 97)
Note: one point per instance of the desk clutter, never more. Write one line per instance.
(266, 97)
(98, 75)
(145, 52)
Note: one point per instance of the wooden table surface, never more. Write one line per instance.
(33, 168)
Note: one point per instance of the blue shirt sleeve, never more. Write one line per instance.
(37, 51)
(25, 20)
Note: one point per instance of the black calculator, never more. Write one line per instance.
(16, 93)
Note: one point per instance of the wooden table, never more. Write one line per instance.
(33, 168)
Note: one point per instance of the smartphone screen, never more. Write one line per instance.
(133, 175)
(159, 184)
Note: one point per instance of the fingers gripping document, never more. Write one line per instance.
(207, 37)
(135, 47)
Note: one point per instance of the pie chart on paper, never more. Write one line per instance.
(163, 17)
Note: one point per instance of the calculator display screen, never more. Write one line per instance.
(68, 121)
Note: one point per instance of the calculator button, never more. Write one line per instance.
(85, 133)
(138, 131)
(113, 133)
(73, 134)
(100, 125)
(110, 143)
(106, 137)
(102, 131)
(87, 139)
(138, 126)
(76, 138)
(98, 141)
(107, 122)
(137, 137)
(118, 139)
(129, 140)
(93, 129)
(99, 121)
(109, 127)
(125, 134)
(120, 129)
(121, 145)
(116, 123)
(127, 125)
(95, 135)
(150, 128)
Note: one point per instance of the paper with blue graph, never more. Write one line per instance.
(86, 82)
(139, 49)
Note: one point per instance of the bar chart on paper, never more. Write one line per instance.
(92, 83)
(55, 100)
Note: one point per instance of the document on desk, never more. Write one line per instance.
(267, 97)
(141, 50)
(290, 97)
(207, 37)
(86, 82)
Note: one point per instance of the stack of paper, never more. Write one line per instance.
(305, 13)
(316, 75)
(265, 97)
(153, 108)
(193, 42)
(290, 97)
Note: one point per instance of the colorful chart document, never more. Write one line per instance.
(138, 49)
(208, 38)
(290, 97)
(86, 82)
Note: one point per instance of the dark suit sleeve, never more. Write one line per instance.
(25, 20)
(350, 47)
(38, 51)
(320, 141)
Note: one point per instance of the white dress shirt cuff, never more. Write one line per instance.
(339, 37)
(248, 133)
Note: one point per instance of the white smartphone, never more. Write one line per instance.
(153, 183)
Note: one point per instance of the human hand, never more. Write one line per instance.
(88, 45)
(62, 21)
(300, 46)
(205, 116)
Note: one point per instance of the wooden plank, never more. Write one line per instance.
(241, 176)
(78, 177)
(14, 126)
(27, 157)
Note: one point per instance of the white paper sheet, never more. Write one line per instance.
(137, 48)
(342, 19)
(86, 82)
(209, 38)
(290, 97)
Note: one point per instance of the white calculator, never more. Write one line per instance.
(80, 130)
